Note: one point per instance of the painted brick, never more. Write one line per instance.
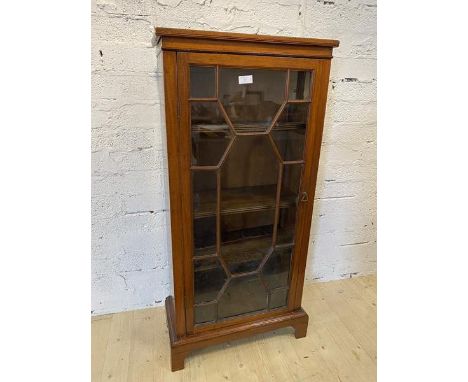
(134, 87)
(112, 114)
(120, 7)
(137, 30)
(353, 91)
(348, 173)
(113, 57)
(125, 138)
(125, 183)
(332, 188)
(362, 69)
(349, 133)
(346, 111)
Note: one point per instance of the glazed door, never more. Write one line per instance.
(246, 122)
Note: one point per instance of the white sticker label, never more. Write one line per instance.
(246, 79)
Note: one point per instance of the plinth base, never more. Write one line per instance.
(182, 346)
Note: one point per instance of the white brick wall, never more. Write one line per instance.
(130, 222)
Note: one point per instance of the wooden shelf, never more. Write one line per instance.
(246, 255)
(207, 251)
(290, 126)
(209, 128)
(252, 127)
(235, 252)
(258, 128)
(240, 200)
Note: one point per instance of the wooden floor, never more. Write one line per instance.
(340, 345)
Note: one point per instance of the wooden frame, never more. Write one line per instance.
(180, 49)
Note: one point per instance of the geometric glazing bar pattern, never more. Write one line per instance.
(248, 131)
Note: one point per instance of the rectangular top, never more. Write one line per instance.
(243, 37)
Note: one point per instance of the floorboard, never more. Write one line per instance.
(340, 345)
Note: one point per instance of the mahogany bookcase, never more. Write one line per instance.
(244, 117)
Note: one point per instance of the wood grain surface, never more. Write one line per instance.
(340, 344)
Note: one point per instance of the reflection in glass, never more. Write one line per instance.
(290, 186)
(204, 193)
(210, 133)
(246, 239)
(286, 225)
(278, 298)
(204, 236)
(299, 85)
(205, 313)
(202, 81)
(249, 177)
(251, 97)
(291, 181)
(244, 294)
(276, 270)
(251, 162)
(209, 279)
(289, 131)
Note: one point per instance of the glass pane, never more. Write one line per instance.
(209, 279)
(289, 197)
(202, 81)
(245, 294)
(251, 97)
(204, 193)
(248, 166)
(210, 133)
(299, 85)
(291, 180)
(276, 270)
(204, 236)
(205, 313)
(289, 131)
(246, 239)
(278, 298)
(249, 177)
(286, 225)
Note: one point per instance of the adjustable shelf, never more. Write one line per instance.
(232, 251)
(247, 128)
(242, 199)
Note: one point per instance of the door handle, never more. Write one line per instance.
(304, 197)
